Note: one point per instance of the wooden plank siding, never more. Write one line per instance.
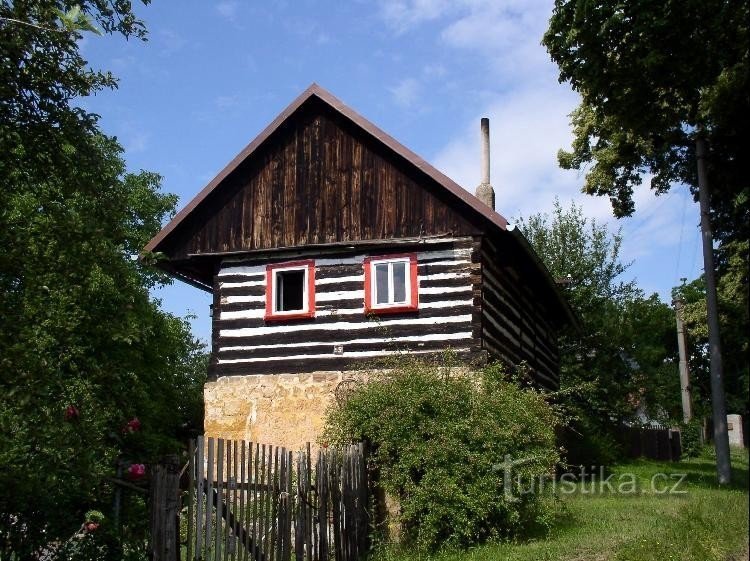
(449, 314)
(516, 325)
(319, 180)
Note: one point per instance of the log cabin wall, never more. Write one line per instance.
(317, 180)
(449, 313)
(516, 324)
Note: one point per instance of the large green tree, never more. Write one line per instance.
(83, 347)
(651, 73)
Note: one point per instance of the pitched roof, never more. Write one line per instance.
(316, 91)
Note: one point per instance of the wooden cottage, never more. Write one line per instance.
(327, 244)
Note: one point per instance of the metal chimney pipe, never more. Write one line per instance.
(485, 192)
(485, 125)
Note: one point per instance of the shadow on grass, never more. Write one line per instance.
(700, 471)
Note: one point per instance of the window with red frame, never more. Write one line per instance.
(391, 284)
(290, 290)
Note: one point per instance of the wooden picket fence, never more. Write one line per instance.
(259, 502)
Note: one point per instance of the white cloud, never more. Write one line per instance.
(406, 92)
(136, 141)
(402, 15)
(170, 42)
(228, 9)
(434, 70)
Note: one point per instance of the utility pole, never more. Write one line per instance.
(718, 400)
(687, 401)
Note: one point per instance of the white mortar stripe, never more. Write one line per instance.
(358, 354)
(444, 289)
(243, 298)
(446, 304)
(446, 254)
(456, 262)
(356, 260)
(244, 270)
(334, 280)
(443, 276)
(340, 295)
(340, 325)
(407, 339)
(243, 314)
(242, 284)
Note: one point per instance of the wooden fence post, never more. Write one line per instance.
(164, 502)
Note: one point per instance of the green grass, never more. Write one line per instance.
(706, 523)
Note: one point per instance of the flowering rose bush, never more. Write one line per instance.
(133, 425)
(72, 413)
(136, 471)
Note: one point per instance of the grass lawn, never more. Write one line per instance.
(703, 523)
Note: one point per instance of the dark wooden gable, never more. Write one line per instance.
(318, 179)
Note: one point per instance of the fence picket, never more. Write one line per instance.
(219, 530)
(241, 487)
(255, 533)
(209, 497)
(199, 499)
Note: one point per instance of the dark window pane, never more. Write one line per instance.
(381, 283)
(290, 291)
(399, 282)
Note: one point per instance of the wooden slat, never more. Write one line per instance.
(200, 498)
(255, 528)
(290, 504)
(219, 529)
(235, 498)
(242, 550)
(268, 504)
(227, 499)
(210, 490)
(190, 497)
(274, 505)
(262, 504)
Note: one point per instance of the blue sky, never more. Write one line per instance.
(214, 74)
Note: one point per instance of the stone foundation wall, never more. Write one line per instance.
(280, 409)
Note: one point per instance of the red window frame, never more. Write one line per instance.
(412, 305)
(272, 315)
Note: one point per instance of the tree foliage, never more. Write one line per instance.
(651, 74)
(441, 439)
(83, 348)
(625, 346)
(732, 293)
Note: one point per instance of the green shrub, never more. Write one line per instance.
(440, 439)
(691, 438)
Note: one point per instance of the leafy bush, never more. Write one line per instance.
(691, 438)
(441, 439)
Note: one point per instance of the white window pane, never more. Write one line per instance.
(399, 282)
(381, 283)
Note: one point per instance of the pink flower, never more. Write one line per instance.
(72, 413)
(133, 425)
(136, 471)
